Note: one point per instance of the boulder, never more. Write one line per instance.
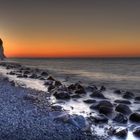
(57, 83)
(137, 98)
(89, 101)
(97, 94)
(136, 132)
(103, 88)
(80, 91)
(62, 95)
(128, 95)
(124, 109)
(121, 132)
(98, 119)
(135, 117)
(44, 73)
(50, 78)
(72, 87)
(120, 118)
(91, 88)
(123, 102)
(75, 96)
(106, 110)
(118, 91)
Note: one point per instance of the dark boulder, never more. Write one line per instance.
(124, 109)
(89, 101)
(80, 91)
(50, 78)
(97, 94)
(105, 110)
(135, 117)
(103, 88)
(57, 83)
(120, 118)
(33, 76)
(62, 95)
(123, 102)
(26, 72)
(72, 87)
(44, 73)
(98, 119)
(75, 96)
(137, 98)
(121, 132)
(118, 91)
(91, 88)
(51, 87)
(136, 132)
(128, 95)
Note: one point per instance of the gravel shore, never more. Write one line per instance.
(26, 114)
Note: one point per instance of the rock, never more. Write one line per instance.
(124, 109)
(12, 83)
(11, 73)
(98, 118)
(2, 56)
(72, 87)
(136, 132)
(50, 78)
(25, 76)
(31, 98)
(34, 76)
(135, 117)
(128, 95)
(89, 101)
(120, 118)
(103, 88)
(91, 88)
(105, 110)
(51, 87)
(57, 108)
(75, 96)
(62, 95)
(97, 94)
(57, 83)
(44, 73)
(121, 132)
(123, 102)
(117, 91)
(104, 103)
(48, 83)
(80, 91)
(26, 72)
(137, 98)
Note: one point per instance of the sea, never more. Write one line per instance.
(115, 73)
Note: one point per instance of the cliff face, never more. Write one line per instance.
(2, 56)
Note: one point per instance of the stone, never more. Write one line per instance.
(120, 118)
(44, 73)
(57, 83)
(57, 108)
(89, 101)
(123, 102)
(128, 95)
(137, 98)
(117, 91)
(80, 91)
(105, 110)
(121, 132)
(136, 132)
(97, 94)
(103, 88)
(98, 118)
(50, 78)
(75, 96)
(62, 95)
(135, 117)
(91, 88)
(124, 109)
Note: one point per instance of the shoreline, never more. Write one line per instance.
(88, 97)
(27, 114)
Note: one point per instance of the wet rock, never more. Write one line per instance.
(89, 101)
(118, 91)
(72, 87)
(104, 103)
(121, 132)
(120, 118)
(34, 76)
(98, 118)
(80, 91)
(136, 132)
(97, 94)
(50, 78)
(57, 83)
(26, 72)
(48, 82)
(103, 88)
(25, 76)
(128, 95)
(105, 110)
(91, 88)
(44, 73)
(123, 102)
(124, 109)
(11, 73)
(75, 96)
(135, 117)
(57, 108)
(62, 95)
(137, 98)
(51, 87)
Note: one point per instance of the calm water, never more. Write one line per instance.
(114, 73)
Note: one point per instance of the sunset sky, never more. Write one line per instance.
(70, 28)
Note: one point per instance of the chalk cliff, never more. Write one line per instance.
(2, 56)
